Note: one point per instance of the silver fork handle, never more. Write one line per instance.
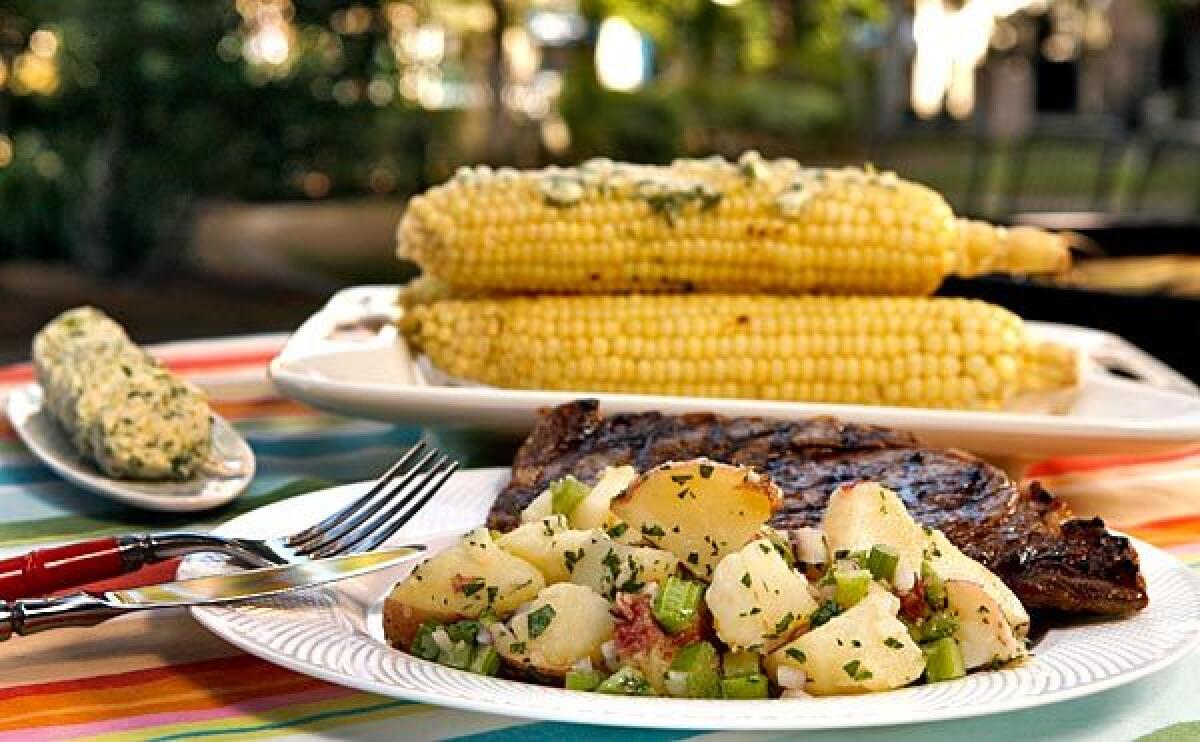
(34, 615)
(159, 546)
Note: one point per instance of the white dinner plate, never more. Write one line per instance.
(335, 634)
(349, 359)
(207, 489)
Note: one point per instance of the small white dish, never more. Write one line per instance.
(208, 489)
(349, 359)
(336, 634)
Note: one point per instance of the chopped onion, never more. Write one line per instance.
(794, 693)
(609, 650)
(905, 578)
(583, 665)
(483, 636)
(809, 545)
(790, 677)
(651, 589)
(442, 639)
(676, 683)
(846, 565)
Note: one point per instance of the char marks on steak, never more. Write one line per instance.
(1051, 561)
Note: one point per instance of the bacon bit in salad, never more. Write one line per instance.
(912, 603)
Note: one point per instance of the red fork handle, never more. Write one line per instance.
(44, 571)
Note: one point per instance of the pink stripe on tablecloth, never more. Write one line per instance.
(131, 723)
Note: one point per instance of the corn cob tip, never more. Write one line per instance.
(1048, 367)
(1020, 250)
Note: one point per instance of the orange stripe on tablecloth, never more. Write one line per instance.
(190, 687)
(1071, 464)
(1184, 529)
(203, 360)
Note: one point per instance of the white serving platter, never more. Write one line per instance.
(335, 634)
(349, 359)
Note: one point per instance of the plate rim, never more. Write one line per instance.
(31, 396)
(212, 620)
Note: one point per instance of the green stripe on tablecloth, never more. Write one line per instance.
(121, 520)
(553, 731)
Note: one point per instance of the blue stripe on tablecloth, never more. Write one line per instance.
(552, 731)
(321, 444)
(25, 475)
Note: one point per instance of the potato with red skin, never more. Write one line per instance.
(700, 510)
(460, 582)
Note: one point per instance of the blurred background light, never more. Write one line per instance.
(620, 55)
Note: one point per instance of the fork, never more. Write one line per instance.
(362, 525)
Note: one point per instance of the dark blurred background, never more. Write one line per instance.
(214, 167)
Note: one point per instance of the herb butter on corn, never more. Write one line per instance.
(119, 407)
(755, 226)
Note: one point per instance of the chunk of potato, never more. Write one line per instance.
(607, 566)
(865, 514)
(756, 600)
(539, 508)
(563, 625)
(534, 542)
(595, 511)
(951, 564)
(984, 634)
(459, 582)
(699, 510)
(863, 650)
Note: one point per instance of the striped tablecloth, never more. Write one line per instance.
(164, 677)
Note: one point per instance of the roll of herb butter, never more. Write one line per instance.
(117, 404)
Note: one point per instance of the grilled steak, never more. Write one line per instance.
(1052, 562)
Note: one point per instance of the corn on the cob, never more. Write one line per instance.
(706, 225)
(954, 353)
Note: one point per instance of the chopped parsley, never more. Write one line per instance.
(539, 620)
(693, 558)
(893, 643)
(653, 529)
(517, 647)
(856, 671)
(618, 530)
(824, 613)
(795, 654)
(783, 624)
(473, 585)
(571, 558)
(706, 470)
(746, 579)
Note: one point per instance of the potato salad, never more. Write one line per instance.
(671, 583)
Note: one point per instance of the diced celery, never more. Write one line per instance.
(457, 656)
(738, 664)
(943, 660)
(626, 682)
(486, 661)
(747, 687)
(676, 606)
(850, 587)
(423, 645)
(882, 561)
(938, 626)
(566, 493)
(935, 589)
(698, 662)
(584, 679)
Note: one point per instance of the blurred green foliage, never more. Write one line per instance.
(155, 110)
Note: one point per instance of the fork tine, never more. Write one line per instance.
(368, 510)
(399, 512)
(390, 528)
(320, 528)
